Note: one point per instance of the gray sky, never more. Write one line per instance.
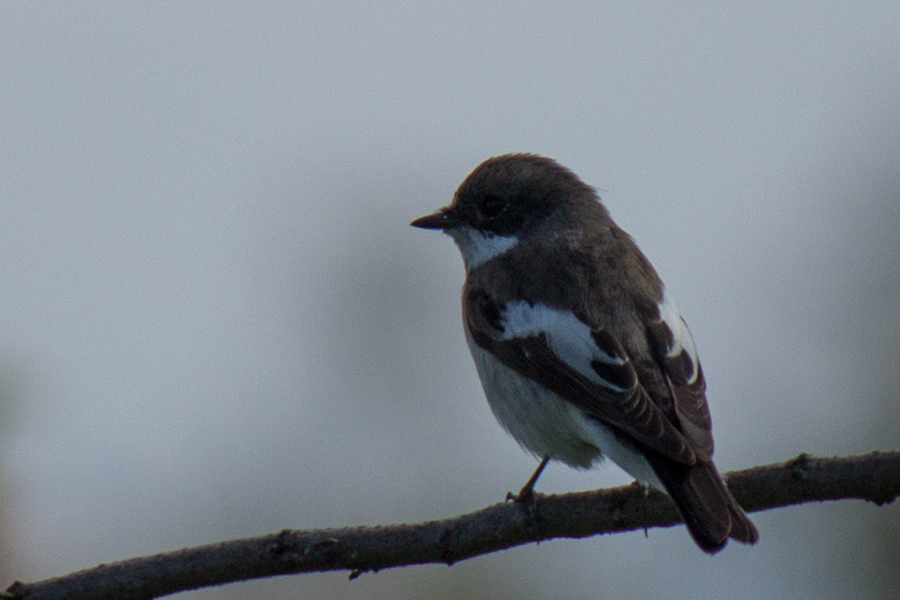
(216, 321)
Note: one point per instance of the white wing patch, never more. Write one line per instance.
(681, 335)
(566, 335)
(477, 247)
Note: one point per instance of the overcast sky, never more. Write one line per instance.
(216, 321)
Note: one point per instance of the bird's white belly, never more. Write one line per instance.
(546, 425)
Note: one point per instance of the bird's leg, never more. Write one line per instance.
(646, 488)
(645, 494)
(526, 499)
(526, 494)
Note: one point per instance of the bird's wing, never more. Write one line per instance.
(587, 367)
(673, 348)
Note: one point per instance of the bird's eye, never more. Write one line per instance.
(492, 206)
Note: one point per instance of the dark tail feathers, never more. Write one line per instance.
(708, 508)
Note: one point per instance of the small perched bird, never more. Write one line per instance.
(581, 352)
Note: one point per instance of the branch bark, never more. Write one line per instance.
(873, 477)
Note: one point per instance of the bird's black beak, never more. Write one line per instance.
(442, 219)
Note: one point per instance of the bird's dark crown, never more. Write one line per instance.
(506, 194)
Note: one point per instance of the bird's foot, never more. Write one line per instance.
(527, 499)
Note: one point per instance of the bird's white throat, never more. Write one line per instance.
(478, 247)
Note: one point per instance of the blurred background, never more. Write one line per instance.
(216, 321)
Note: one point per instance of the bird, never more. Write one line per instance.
(581, 351)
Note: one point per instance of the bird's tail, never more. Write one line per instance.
(709, 510)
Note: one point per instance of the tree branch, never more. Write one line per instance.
(873, 477)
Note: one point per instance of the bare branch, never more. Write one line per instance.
(873, 477)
